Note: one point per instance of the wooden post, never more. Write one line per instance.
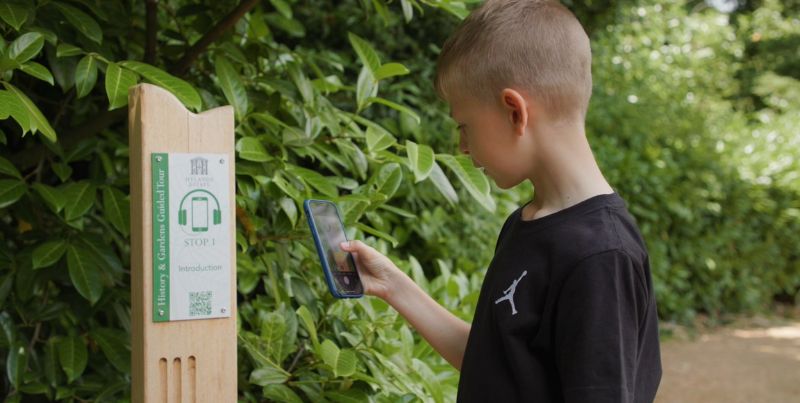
(174, 361)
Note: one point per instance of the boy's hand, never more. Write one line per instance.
(381, 278)
(377, 272)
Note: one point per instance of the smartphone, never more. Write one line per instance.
(328, 232)
(199, 214)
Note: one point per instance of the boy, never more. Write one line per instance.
(567, 310)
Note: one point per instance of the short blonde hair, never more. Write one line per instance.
(537, 46)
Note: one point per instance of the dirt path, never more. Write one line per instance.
(739, 364)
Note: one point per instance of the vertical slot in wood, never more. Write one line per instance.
(192, 380)
(162, 372)
(176, 375)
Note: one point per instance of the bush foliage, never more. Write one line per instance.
(693, 121)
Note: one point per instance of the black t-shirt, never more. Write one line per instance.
(567, 312)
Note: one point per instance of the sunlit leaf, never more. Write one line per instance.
(365, 52)
(85, 75)
(180, 88)
(231, 84)
(118, 81)
(84, 271)
(48, 253)
(13, 14)
(37, 70)
(25, 47)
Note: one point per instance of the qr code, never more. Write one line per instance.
(199, 303)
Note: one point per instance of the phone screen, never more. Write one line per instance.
(330, 234)
(199, 214)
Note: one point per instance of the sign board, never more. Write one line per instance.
(191, 259)
(183, 259)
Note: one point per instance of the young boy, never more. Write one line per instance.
(567, 309)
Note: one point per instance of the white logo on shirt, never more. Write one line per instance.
(509, 293)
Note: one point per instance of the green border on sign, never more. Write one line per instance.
(160, 183)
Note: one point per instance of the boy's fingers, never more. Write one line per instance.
(351, 245)
(355, 246)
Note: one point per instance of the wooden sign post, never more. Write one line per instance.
(183, 257)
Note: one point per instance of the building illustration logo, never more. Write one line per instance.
(199, 166)
(509, 293)
(194, 213)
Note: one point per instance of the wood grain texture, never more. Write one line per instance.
(200, 355)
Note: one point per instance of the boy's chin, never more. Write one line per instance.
(504, 184)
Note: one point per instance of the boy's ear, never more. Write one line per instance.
(516, 108)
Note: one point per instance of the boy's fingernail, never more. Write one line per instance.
(344, 245)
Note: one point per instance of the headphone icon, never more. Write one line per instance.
(216, 214)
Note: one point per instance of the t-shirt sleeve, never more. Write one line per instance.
(599, 310)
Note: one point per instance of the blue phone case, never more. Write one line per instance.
(320, 250)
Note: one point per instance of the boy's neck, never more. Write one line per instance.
(566, 172)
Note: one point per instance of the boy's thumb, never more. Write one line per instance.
(348, 245)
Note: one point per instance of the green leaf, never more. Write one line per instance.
(115, 346)
(302, 83)
(283, 7)
(231, 84)
(408, 10)
(36, 119)
(387, 179)
(289, 208)
(66, 50)
(62, 170)
(273, 327)
(316, 180)
(10, 191)
(13, 14)
(378, 233)
(50, 361)
(366, 88)
(84, 271)
(365, 52)
(79, 199)
(82, 21)
(378, 139)
(307, 320)
(48, 253)
(390, 70)
(343, 362)
(290, 26)
(117, 209)
(85, 75)
(473, 180)
(118, 81)
(181, 89)
(52, 196)
(280, 393)
(6, 167)
(251, 149)
(351, 395)
(428, 379)
(420, 158)
(26, 47)
(16, 362)
(37, 70)
(73, 356)
(268, 376)
(443, 184)
(395, 106)
(10, 105)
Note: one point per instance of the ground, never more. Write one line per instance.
(748, 361)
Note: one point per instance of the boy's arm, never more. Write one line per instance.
(445, 332)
